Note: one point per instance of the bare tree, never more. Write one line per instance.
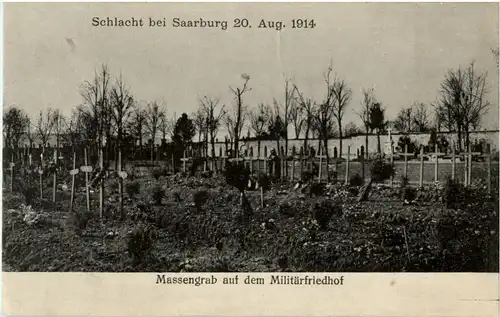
(341, 98)
(421, 118)
(235, 120)
(138, 125)
(15, 123)
(307, 106)
(95, 94)
(76, 131)
(59, 125)
(364, 114)
(351, 129)
(287, 107)
(200, 126)
(259, 120)
(405, 120)
(121, 104)
(154, 115)
(276, 125)
(213, 118)
(296, 116)
(45, 126)
(324, 115)
(462, 100)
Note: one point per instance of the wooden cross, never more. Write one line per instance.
(122, 175)
(73, 174)
(40, 172)
(184, 160)
(86, 169)
(437, 154)
(11, 168)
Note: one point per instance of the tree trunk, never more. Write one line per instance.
(366, 145)
(459, 137)
(378, 142)
(306, 138)
(325, 141)
(340, 140)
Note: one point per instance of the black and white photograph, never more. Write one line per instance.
(245, 137)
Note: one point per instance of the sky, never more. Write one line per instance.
(402, 51)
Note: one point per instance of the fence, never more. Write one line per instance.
(460, 167)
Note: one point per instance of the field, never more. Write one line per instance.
(176, 223)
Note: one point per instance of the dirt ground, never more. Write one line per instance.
(200, 226)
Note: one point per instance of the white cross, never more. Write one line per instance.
(389, 129)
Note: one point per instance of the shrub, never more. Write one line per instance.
(323, 210)
(158, 172)
(30, 194)
(113, 185)
(78, 220)
(133, 188)
(356, 180)
(453, 193)
(237, 175)
(380, 169)
(307, 176)
(140, 243)
(317, 189)
(264, 181)
(200, 197)
(157, 194)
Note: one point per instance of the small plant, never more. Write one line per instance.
(323, 210)
(113, 185)
(407, 193)
(380, 169)
(317, 189)
(133, 188)
(307, 176)
(158, 172)
(200, 197)
(78, 220)
(30, 193)
(238, 175)
(453, 193)
(356, 180)
(140, 243)
(157, 195)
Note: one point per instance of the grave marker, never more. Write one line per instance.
(54, 185)
(86, 169)
(347, 164)
(40, 172)
(73, 173)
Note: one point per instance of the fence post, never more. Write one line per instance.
(320, 163)
(40, 173)
(466, 174)
(363, 167)
(87, 192)
(469, 179)
(406, 161)
(436, 165)
(347, 164)
(392, 166)
(184, 161)
(292, 176)
(421, 181)
(73, 175)
(101, 182)
(489, 172)
(54, 185)
(11, 172)
(120, 182)
(453, 163)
